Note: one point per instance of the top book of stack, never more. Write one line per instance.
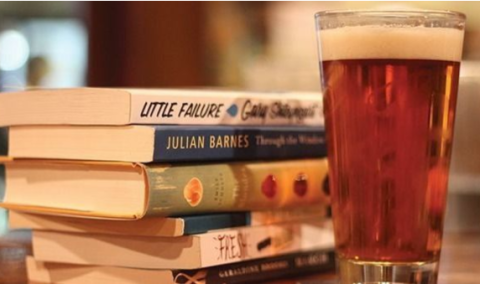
(99, 106)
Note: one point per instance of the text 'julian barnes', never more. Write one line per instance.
(240, 141)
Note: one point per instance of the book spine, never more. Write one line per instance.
(194, 189)
(187, 143)
(198, 224)
(2, 182)
(221, 109)
(3, 141)
(261, 218)
(242, 244)
(266, 269)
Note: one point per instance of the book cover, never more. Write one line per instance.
(266, 269)
(254, 271)
(188, 252)
(132, 191)
(180, 143)
(103, 106)
(236, 108)
(163, 227)
(235, 186)
(237, 143)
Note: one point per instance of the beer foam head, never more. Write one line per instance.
(395, 42)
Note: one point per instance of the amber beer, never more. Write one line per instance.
(390, 89)
(390, 154)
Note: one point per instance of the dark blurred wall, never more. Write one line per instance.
(146, 44)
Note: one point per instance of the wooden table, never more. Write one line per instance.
(460, 260)
(14, 247)
(460, 263)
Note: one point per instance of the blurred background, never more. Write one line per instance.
(239, 45)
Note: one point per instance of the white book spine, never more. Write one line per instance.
(242, 244)
(229, 108)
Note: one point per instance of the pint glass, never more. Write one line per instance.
(390, 81)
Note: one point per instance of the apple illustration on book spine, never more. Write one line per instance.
(269, 186)
(300, 185)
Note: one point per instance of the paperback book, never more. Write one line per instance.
(187, 252)
(97, 106)
(143, 143)
(164, 227)
(130, 191)
(253, 271)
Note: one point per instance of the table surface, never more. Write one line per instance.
(460, 262)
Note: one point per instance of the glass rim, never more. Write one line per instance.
(447, 14)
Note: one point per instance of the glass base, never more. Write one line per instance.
(366, 272)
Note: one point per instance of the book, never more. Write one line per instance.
(254, 271)
(141, 143)
(102, 106)
(187, 252)
(3, 141)
(132, 190)
(164, 227)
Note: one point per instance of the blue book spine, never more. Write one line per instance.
(199, 224)
(190, 143)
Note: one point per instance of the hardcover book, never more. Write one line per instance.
(164, 227)
(141, 143)
(97, 106)
(187, 252)
(253, 271)
(132, 191)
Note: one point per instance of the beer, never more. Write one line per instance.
(390, 86)
(390, 151)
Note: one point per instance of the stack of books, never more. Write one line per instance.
(167, 186)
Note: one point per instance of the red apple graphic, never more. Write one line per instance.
(269, 186)
(300, 186)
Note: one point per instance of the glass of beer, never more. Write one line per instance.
(390, 81)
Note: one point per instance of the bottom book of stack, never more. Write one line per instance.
(253, 271)
(66, 251)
